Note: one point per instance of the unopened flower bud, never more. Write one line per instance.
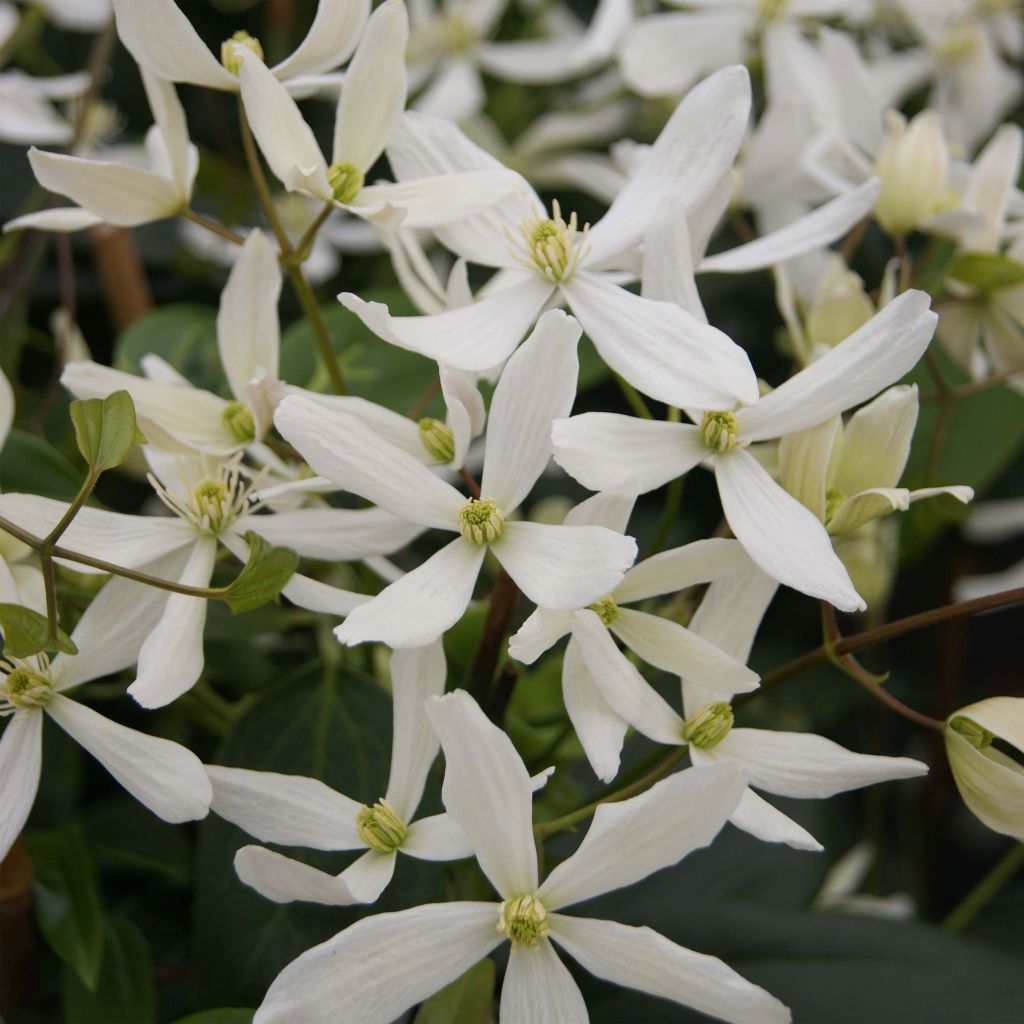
(438, 439)
(380, 827)
(840, 306)
(709, 726)
(231, 50)
(345, 180)
(524, 920)
(719, 431)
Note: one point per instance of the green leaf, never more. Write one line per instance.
(27, 632)
(106, 429)
(223, 1015)
(28, 463)
(67, 900)
(467, 1000)
(184, 334)
(124, 991)
(266, 572)
(986, 271)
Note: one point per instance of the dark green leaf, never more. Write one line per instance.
(27, 632)
(28, 463)
(266, 572)
(184, 334)
(986, 271)
(67, 899)
(223, 1015)
(467, 1000)
(124, 992)
(106, 429)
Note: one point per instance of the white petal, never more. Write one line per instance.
(537, 385)
(283, 136)
(876, 442)
(539, 988)
(668, 261)
(68, 218)
(541, 631)
(336, 28)
(642, 959)
(606, 509)
(345, 450)
(119, 193)
(871, 358)
(785, 539)
(487, 791)
(989, 188)
(456, 92)
(159, 36)
(472, 338)
(607, 451)
(21, 756)
(805, 765)
(375, 970)
(284, 880)
(292, 810)
(599, 729)
(563, 567)
(732, 609)
(673, 648)
(630, 840)
(171, 657)
(465, 407)
(320, 597)
(760, 819)
(391, 426)
(661, 349)
(416, 609)
(804, 463)
(164, 776)
(814, 230)
(678, 568)
(862, 508)
(621, 685)
(169, 116)
(247, 330)
(416, 674)
(438, 837)
(962, 494)
(368, 876)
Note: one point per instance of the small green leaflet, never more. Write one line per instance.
(106, 429)
(266, 572)
(27, 632)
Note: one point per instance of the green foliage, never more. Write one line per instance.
(267, 570)
(222, 1015)
(467, 1000)
(183, 334)
(106, 429)
(986, 271)
(26, 632)
(28, 463)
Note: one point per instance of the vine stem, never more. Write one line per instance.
(986, 890)
(212, 225)
(488, 650)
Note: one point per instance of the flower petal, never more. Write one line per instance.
(804, 463)
(21, 757)
(285, 880)
(668, 271)
(320, 597)
(539, 988)
(678, 568)
(368, 876)
(541, 631)
(65, 218)
(606, 509)
(169, 115)
(876, 440)
(438, 837)
(336, 29)
(756, 816)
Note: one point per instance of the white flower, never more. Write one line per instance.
(993, 522)
(371, 102)
(658, 641)
(27, 116)
(159, 36)
(555, 566)
(605, 451)
(660, 348)
(378, 968)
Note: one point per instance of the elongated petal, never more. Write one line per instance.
(814, 230)
(630, 840)
(539, 988)
(391, 426)
(541, 631)
(990, 186)
(378, 968)
(805, 765)
(169, 116)
(760, 819)
(804, 464)
(621, 685)
(487, 790)
(537, 386)
(678, 568)
(284, 138)
(416, 609)
(563, 567)
(345, 450)
(438, 837)
(247, 330)
(416, 674)
(472, 338)
(606, 509)
(119, 193)
(599, 729)
(160, 36)
(164, 776)
(785, 539)
(871, 358)
(668, 273)
(642, 959)
(292, 810)
(21, 757)
(661, 349)
(66, 218)
(330, 40)
(285, 880)
(673, 648)
(171, 658)
(320, 597)
(368, 876)
(862, 508)
(876, 442)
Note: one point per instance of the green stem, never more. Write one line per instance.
(320, 332)
(305, 246)
(634, 398)
(212, 225)
(252, 158)
(986, 890)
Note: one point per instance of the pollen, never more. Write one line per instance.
(231, 54)
(524, 920)
(346, 181)
(481, 521)
(606, 609)
(552, 246)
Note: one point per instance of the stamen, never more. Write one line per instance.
(524, 920)
(719, 431)
(380, 827)
(481, 521)
(212, 494)
(551, 246)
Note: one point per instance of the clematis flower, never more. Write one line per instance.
(555, 566)
(658, 641)
(660, 348)
(381, 966)
(112, 192)
(606, 451)
(27, 115)
(165, 776)
(160, 37)
(372, 100)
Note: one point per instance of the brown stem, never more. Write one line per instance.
(121, 273)
(424, 400)
(212, 225)
(492, 636)
(474, 487)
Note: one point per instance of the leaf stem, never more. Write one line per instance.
(212, 225)
(986, 890)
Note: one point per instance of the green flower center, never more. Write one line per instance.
(607, 610)
(27, 689)
(719, 431)
(524, 920)
(709, 726)
(438, 439)
(230, 55)
(978, 736)
(380, 827)
(345, 180)
(481, 521)
(554, 247)
(833, 499)
(238, 418)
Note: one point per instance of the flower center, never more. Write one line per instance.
(709, 726)
(957, 45)
(238, 418)
(459, 34)
(607, 610)
(772, 9)
(232, 50)
(345, 180)
(437, 438)
(833, 499)
(524, 920)
(553, 247)
(211, 496)
(719, 431)
(978, 736)
(481, 521)
(380, 827)
(24, 689)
